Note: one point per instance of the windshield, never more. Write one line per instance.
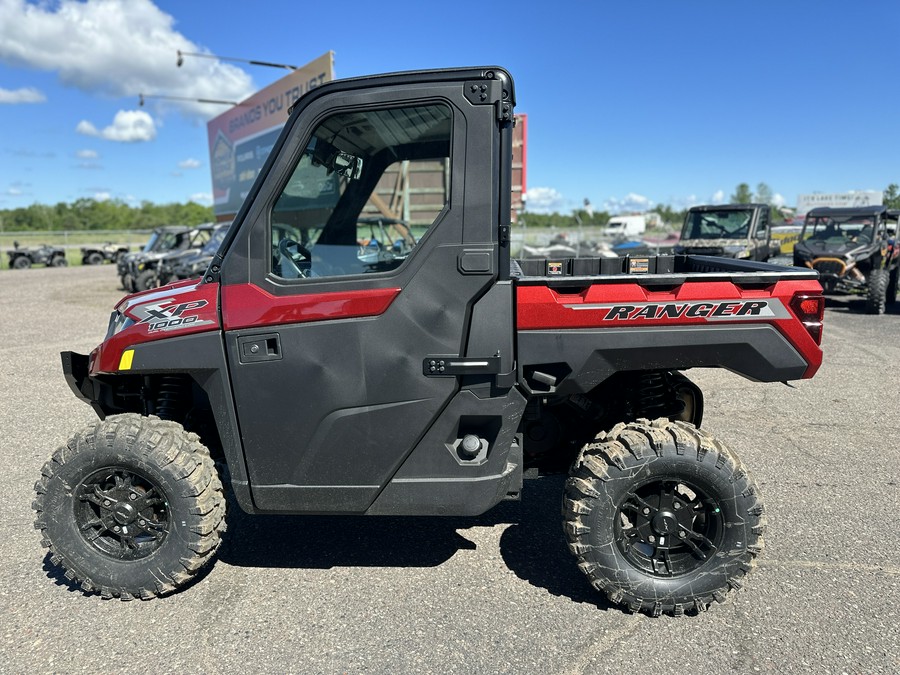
(839, 230)
(151, 243)
(725, 224)
(210, 247)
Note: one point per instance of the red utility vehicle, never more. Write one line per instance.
(319, 368)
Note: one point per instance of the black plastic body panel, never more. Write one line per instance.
(758, 352)
(202, 357)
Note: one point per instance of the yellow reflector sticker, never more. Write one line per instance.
(127, 358)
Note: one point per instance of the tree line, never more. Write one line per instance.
(93, 214)
(114, 214)
(672, 217)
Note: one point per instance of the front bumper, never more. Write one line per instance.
(76, 369)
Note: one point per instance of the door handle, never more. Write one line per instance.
(254, 348)
(450, 366)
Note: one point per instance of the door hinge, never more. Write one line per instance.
(490, 92)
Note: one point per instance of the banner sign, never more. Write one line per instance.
(838, 200)
(241, 139)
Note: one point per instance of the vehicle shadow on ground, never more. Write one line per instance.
(532, 546)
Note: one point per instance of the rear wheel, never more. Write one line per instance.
(58, 261)
(131, 507)
(876, 294)
(93, 258)
(662, 517)
(20, 263)
(891, 294)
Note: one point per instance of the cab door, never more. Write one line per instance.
(346, 276)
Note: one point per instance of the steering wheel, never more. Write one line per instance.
(713, 223)
(300, 257)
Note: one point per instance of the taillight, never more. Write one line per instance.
(810, 309)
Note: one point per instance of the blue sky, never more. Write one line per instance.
(630, 104)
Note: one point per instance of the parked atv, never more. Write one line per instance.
(97, 255)
(854, 250)
(22, 258)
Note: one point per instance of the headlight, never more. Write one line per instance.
(117, 323)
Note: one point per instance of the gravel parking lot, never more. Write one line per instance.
(498, 593)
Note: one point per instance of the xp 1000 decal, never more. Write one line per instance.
(191, 306)
(170, 314)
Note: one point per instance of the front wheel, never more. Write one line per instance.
(146, 280)
(131, 507)
(876, 294)
(662, 517)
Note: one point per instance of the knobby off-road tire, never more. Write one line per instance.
(146, 280)
(131, 507)
(93, 258)
(662, 517)
(891, 293)
(876, 294)
(20, 263)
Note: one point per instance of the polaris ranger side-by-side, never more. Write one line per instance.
(322, 373)
(729, 230)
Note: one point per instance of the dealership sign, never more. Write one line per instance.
(241, 139)
(838, 200)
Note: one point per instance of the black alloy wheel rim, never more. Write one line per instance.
(121, 513)
(667, 528)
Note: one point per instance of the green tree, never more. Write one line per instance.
(742, 194)
(670, 216)
(113, 214)
(892, 196)
(763, 194)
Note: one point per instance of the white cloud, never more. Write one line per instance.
(129, 126)
(544, 200)
(87, 154)
(23, 95)
(204, 198)
(777, 200)
(190, 163)
(102, 196)
(718, 197)
(118, 48)
(631, 202)
(14, 192)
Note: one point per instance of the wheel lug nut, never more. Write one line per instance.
(646, 510)
(106, 503)
(117, 528)
(677, 505)
(681, 534)
(132, 496)
(142, 522)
